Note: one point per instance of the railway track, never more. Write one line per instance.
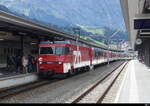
(14, 90)
(22, 88)
(9, 92)
(83, 95)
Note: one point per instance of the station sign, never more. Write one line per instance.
(141, 24)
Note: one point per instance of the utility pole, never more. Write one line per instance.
(109, 38)
(108, 41)
(77, 31)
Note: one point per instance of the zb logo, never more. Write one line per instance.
(77, 55)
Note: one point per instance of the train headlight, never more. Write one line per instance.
(40, 59)
(59, 62)
(40, 62)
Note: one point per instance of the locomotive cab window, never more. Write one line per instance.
(61, 50)
(54, 50)
(47, 50)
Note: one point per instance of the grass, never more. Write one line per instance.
(93, 30)
(92, 40)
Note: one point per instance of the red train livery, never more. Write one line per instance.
(65, 58)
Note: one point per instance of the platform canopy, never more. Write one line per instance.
(130, 8)
(137, 19)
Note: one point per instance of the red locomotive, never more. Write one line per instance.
(67, 58)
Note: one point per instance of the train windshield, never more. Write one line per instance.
(54, 50)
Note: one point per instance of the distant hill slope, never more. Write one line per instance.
(96, 18)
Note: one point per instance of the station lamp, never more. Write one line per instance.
(138, 41)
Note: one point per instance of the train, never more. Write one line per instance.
(67, 58)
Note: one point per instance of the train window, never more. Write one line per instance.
(47, 50)
(61, 50)
(54, 50)
(67, 51)
(97, 53)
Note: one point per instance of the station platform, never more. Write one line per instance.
(135, 86)
(11, 78)
(5, 73)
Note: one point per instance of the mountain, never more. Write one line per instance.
(95, 18)
(3, 8)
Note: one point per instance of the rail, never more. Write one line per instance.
(79, 98)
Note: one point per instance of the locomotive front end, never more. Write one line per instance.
(52, 58)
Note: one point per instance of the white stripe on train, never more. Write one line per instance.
(67, 66)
